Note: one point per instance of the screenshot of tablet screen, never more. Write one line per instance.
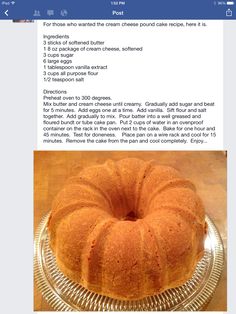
(117, 143)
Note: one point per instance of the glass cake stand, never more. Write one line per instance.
(65, 295)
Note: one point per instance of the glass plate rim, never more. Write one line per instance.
(200, 300)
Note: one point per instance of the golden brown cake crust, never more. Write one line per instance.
(128, 229)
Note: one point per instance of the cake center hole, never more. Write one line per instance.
(131, 216)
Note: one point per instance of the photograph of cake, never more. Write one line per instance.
(131, 226)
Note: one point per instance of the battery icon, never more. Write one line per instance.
(230, 2)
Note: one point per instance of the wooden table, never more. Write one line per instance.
(206, 169)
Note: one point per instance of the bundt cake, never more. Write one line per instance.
(127, 229)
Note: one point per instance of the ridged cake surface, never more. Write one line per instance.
(127, 229)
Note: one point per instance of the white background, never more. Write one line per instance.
(177, 64)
